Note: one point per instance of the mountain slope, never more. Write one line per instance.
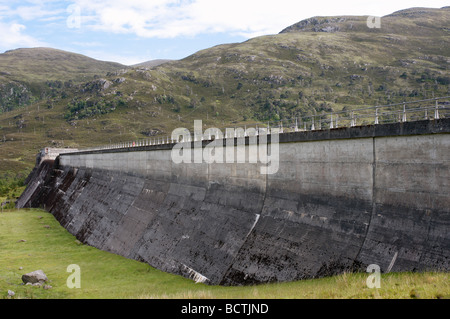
(151, 63)
(408, 22)
(27, 74)
(293, 73)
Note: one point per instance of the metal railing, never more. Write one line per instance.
(428, 109)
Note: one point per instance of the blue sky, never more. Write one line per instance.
(134, 31)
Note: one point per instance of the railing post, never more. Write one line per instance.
(436, 111)
(404, 113)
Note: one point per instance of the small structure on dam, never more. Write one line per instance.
(340, 200)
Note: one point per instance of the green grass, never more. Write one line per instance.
(32, 239)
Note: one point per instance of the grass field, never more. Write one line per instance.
(32, 239)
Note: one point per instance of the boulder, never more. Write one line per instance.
(37, 276)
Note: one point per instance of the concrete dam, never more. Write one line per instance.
(341, 200)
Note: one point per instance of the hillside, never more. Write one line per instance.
(296, 73)
(28, 75)
(408, 22)
(301, 71)
(151, 63)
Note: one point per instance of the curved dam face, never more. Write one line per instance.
(341, 199)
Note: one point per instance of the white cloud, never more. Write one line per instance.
(13, 37)
(34, 12)
(125, 59)
(88, 44)
(172, 18)
(30, 10)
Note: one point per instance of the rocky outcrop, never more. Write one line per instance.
(325, 24)
(97, 85)
(13, 95)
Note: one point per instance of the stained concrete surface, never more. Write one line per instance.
(341, 199)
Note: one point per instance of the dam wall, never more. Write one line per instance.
(340, 200)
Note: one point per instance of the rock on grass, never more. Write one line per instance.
(37, 276)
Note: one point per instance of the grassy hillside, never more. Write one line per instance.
(33, 239)
(322, 65)
(308, 70)
(29, 75)
(407, 22)
(151, 63)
